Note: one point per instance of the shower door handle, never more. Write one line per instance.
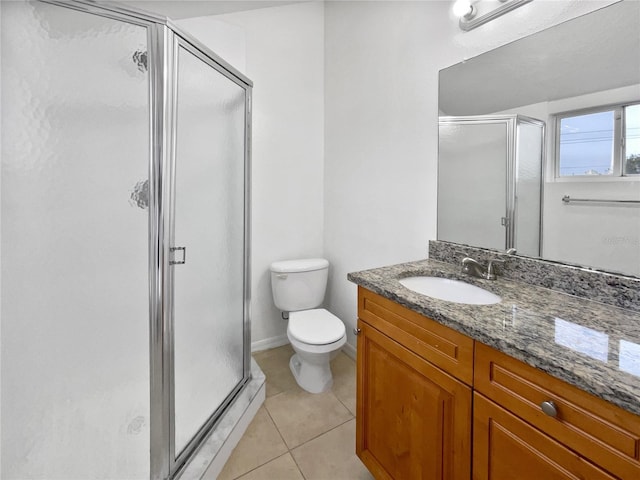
(173, 261)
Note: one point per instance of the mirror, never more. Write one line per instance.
(477, 193)
(585, 63)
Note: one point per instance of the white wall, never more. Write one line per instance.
(371, 73)
(285, 59)
(380, 131)
(381, 112)
(226, 40)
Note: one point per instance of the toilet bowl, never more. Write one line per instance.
(316, 335)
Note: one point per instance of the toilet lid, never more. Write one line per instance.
(316, 327)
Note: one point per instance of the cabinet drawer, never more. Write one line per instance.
(505, 448)
(440, 345)
(600, 431)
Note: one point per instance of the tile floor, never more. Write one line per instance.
(298, 435)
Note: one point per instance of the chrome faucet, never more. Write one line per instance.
(476, 269)
(473, 267)
(491, 274)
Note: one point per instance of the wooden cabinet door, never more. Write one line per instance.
(604, 434)
(507, 448)
(413, 420)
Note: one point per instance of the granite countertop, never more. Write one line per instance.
(594, 346)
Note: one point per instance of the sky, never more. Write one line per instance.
(587, 144)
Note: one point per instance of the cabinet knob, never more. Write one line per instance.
(356, 331)
(549, 408)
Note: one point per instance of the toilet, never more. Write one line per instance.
(315, 334)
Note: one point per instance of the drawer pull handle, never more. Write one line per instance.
(356, 331)
(549, 408)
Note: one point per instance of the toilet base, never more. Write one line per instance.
(312, 377)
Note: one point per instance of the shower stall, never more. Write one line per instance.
(125, 242)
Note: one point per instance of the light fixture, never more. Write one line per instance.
(464, 9)
(479, 12)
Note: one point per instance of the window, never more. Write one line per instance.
(599, 142)
(632, 140)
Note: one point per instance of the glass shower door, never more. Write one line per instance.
(472, 183)
(208, 245)
(75, 288)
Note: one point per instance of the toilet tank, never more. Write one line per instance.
(299, 284)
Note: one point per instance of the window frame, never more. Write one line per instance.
(623, 153)
(619, 142)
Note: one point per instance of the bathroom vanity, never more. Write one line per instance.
(541, 385)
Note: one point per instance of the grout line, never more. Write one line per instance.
(271, 459)
(259, 466)
(297, 465)
(276, 425)
(290, 449)
(342, 403)
(352, 417)
(345, 406)
(321, 434)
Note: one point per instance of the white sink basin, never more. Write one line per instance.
(450, 290)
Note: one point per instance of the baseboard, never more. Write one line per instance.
(268, 343)
(349, 350)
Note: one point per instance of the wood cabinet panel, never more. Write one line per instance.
(413, 420)
(506, 448)
(442, 346)
(601, 432)
(414, 413)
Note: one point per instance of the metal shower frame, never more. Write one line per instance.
(164, 38)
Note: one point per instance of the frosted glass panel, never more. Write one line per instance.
(472, 184)
(75, 308)
(528, 189)
(209, 212)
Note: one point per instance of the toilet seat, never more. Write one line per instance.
(316, 349)
(315, 327)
